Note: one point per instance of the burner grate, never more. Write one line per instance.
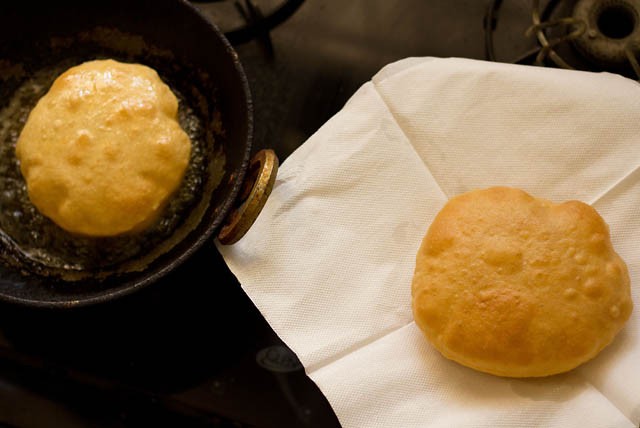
(598, 35)
(243, 21)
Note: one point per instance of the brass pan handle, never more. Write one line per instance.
(257, 186)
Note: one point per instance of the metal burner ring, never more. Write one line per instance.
(612, 30)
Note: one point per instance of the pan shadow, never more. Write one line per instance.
(167, 337)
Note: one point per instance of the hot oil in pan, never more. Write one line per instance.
(35, 238)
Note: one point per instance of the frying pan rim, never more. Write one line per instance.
(223, 210)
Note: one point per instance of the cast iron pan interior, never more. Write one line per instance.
(187, 51)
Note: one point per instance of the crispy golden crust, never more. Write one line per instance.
(516, 286)
(102, 151)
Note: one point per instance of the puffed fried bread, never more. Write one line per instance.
(517, 286)
(102, 151)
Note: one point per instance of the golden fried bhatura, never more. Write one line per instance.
(102, 152)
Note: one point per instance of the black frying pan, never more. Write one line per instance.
(197, 62)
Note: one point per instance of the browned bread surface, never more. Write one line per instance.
(517, 286)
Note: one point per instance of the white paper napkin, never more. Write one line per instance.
(329, 261)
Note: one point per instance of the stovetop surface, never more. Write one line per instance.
(193, 350)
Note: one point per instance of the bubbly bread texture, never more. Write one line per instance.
(102, 152)
(513, 285)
